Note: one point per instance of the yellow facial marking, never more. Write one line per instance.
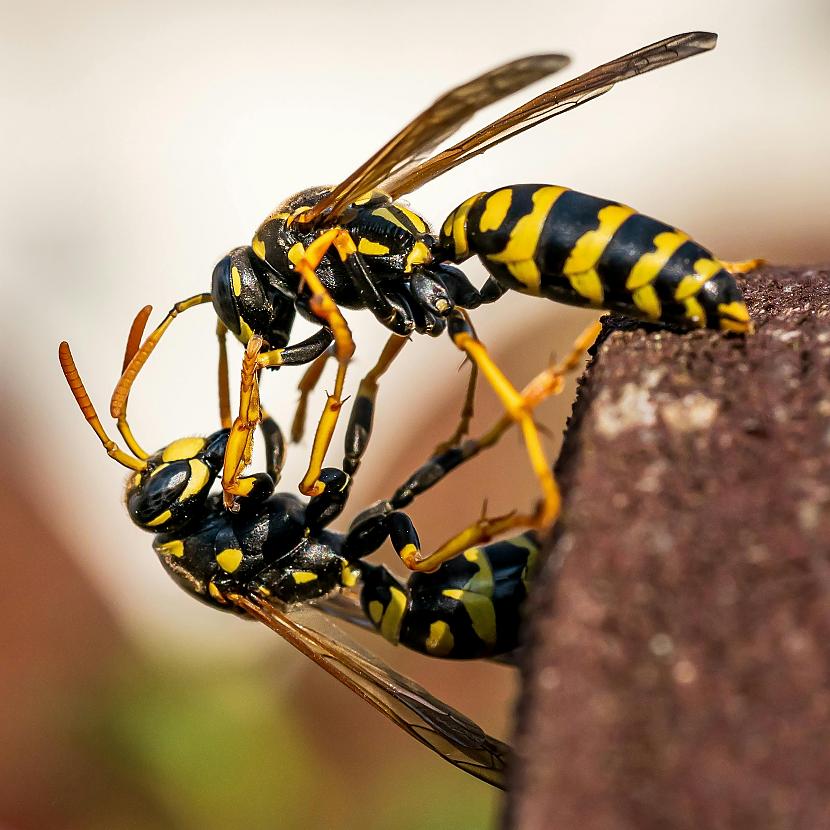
(349, 575)
(229, 559)
(648, 302)
(199, 477)
(366, 246)
(258, 247)
(580, 267)
(390, 626)
(296, 253)
(440, 640)
(183, 448)
(135, 480)
(495, 210)
(301, 577)
(172, 548)
(419, 255)
(649, 265)
(160, 519)
(236, 281)
(376, 611)
(520, 248)
(480, 610)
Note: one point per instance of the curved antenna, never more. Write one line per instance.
(118, 403)
(70, 372)
(133, 344)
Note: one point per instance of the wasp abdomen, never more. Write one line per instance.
(578, 249)
(468, 608)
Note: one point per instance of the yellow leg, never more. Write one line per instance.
(326, 309)
(546, 383)
(744, 266)
(241, 439)
(306, 386)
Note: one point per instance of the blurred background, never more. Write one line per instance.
(141, 141)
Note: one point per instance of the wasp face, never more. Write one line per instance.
(172, 490)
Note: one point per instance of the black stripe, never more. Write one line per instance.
(633, 238)
(572, 215)
(495, 241)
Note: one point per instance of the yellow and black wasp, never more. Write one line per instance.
(355, 245)
(276, 553)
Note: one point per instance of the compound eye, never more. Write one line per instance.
(222, 291)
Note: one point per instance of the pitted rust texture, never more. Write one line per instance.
(677, 673)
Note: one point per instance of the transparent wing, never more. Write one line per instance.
(410, 706)
(435, 124)
(553, 102)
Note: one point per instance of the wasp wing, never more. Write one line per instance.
(553, 102)
(410, 706)
(435, 124)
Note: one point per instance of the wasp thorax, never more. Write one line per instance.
(172, 490)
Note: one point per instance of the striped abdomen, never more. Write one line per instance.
(578, 249)
(468, 608)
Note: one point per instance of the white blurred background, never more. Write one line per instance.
(141, 141)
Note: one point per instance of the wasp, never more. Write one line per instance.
(356, 245)
(276, 553)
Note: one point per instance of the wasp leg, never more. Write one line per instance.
(360, 422)
(324, 307)
(241, 438)
(743, 266)
(306, 386)
(546, 383)
(467, 412)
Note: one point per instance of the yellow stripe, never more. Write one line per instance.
(482, 581)
(456, 226)
(417, 222)
(199, 476)
(182, 448)
(694, 311)
(376, 611)
(390, 626)
(704, 270)
(520, 248)
(295, 253)
(580, 267)
(301, 577)
(495, 210)
(258, 247)
(480, 610)
(648, 302)
(440, 640)
(366, 246)
(649, 265)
